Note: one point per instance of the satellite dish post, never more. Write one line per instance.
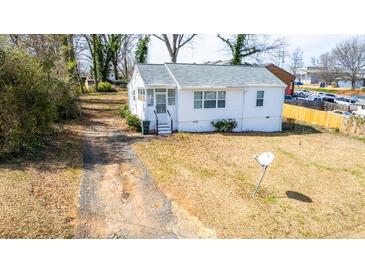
(264, 160)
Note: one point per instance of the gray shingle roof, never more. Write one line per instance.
(221, 75)
(202, 75)
(155, 74)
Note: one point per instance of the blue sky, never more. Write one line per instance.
(209, 48)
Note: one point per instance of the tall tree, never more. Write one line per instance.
(92, 42)
(72, 70)
(245, 45)
(142, 49)
(127, 57)
(295, 60)
(349, 56)
(115, 45)
(174, 42)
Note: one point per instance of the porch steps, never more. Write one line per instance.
(164, 128)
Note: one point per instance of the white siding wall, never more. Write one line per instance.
(136, 107)
(190, 119)
(263, 118)
(240, 105)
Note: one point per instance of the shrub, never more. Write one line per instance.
(105, 87)
(224, 124)
(124, 111)
(132, 120)
(30, 101)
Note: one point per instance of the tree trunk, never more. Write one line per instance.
(126, 66)
(353, 82)
(115, 66)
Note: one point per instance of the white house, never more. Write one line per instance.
(188, 97)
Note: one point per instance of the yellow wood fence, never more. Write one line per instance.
(313, 116)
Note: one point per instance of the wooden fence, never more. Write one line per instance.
(313, 116)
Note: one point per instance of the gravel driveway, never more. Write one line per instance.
(118, 198)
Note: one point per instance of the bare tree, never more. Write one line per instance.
(250, 45)
(295, 60)
(349, 56)
(175, 42)
(127, 57)
(324, 64)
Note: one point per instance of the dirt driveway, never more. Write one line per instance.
(118, 198)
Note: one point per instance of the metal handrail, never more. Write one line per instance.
(156, 121)
(168, 112)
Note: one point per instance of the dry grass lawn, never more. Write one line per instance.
(39, 198)
(213, 175)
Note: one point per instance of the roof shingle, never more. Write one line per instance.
(203, 75)
(155, 74)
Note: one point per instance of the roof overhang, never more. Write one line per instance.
(160, 86)
(235, 87)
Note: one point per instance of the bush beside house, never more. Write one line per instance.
(224, 125)
(132, 120)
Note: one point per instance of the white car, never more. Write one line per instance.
(314, 98)
(341, 112)
(360, 111)
(345, 101)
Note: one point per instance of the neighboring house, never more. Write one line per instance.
(191, 96)
(310, 75)
(284, 76)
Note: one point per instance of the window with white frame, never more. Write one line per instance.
(150, 97)
(198, 99)
(221, 99)
(141, 94)
(260, 98)
(209, 99)
(171, 94)
(134, 94)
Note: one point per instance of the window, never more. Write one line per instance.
(209, 99)
(221, 99)
(134, 95)
(171, 97)
(260, 98)
(141, 94)
(198, 99)
(150, 99)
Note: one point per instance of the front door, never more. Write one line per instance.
(161, 102)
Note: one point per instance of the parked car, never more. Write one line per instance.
(345, 101)
(341, 112)
(315, 98)
(302, 93)
(329, 97)
(360, 110)
(360, 99)
(298, 83)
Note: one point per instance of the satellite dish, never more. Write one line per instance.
(264, 160)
